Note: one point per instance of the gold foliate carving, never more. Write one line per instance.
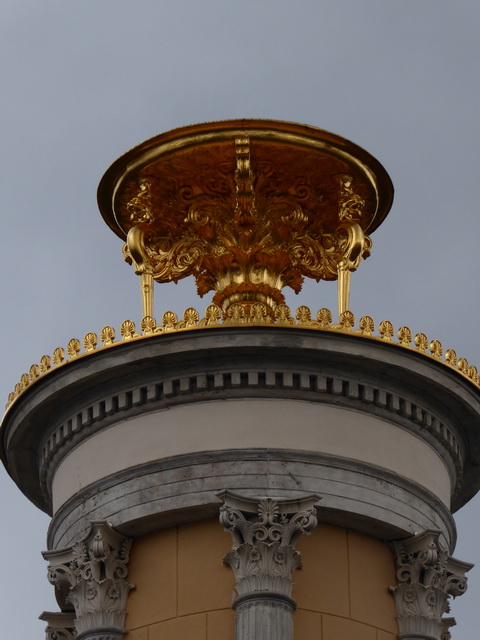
(451, 357)
(128, 330)
(45, 364)
(405, 336)
(148, 325)
(421, 342)
(386, 330)
(73, 348)
(34, 372)
(58, 356)
(90, 341)
(240, 314)
(367, 326)
(107, 335)
(436, 348)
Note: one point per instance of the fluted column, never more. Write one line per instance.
(427, 577)
(263, 559)
(90, 575)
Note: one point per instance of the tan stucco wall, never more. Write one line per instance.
(184, 591)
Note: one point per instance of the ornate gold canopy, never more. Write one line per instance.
(247, 207)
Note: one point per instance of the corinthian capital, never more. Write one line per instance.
(427, 578)
(91, 576)
(264, 533)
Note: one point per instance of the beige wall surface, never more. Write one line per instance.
(251, 423)
(182, 589)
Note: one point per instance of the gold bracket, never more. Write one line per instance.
(139, 256)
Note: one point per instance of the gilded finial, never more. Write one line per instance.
(246, 207)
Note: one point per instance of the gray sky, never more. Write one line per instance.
(84, 82)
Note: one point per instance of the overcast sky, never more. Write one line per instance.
(82, 82)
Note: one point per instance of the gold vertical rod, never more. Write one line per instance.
(344, 275)
(146, 283)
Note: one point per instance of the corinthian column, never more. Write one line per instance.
(90, 575)
(427, 578)
(263, 559)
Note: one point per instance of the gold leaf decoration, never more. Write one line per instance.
(304, 316)
(235, 314)
(73, 348)
(34, 372)
(148, 325)
(367, 326)
(421, 342)
(347, 320)
(107, 335)
(451, 357)
(58, 356)
(169, 321)
(190, 318)
(436, 348)
(463, 365)
(324, 318)
(127, 330)
(25, 380)
(90, 341)
(18, 389)
(386, 330)
(258, 314)
(473, 373)
(45, 364)
(282, 315)
(212, 316)
(405, 336)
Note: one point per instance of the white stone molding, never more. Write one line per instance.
(91, 575)
(263, 560)
(427, 578)
(60, 625)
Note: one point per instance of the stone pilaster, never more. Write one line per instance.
(427, 578)
(263, 559)
(91, 575)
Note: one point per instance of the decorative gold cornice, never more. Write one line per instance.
(257, 315)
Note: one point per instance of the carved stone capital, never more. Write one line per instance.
(91, 575)
(427, 577)
(60, 625)
(264, 533)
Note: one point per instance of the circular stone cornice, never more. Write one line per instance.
(337, 367)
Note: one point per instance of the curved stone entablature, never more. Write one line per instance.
(340, 380)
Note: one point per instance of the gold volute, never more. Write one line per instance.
(247, 207)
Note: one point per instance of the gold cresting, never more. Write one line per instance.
(246, 207)
(237, 316)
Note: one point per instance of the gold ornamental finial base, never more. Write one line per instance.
(247, 207)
